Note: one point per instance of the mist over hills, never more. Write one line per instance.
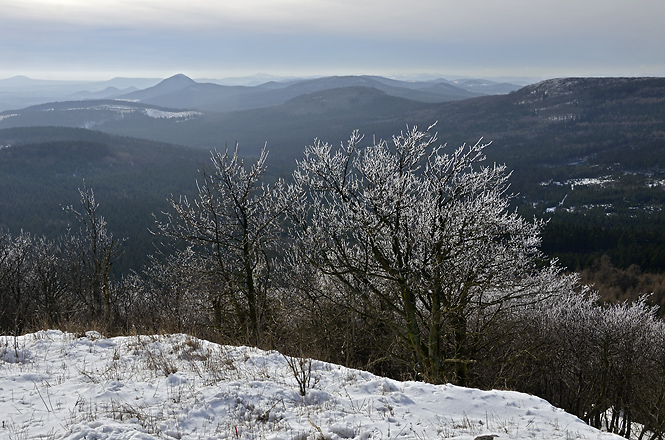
(180, 91)
(589, 153)
(20, 91)
(108, 93)
(549, 123)
(169, 85)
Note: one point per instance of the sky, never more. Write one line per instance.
(102, 39)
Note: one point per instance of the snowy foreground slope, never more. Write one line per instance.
(55, 385)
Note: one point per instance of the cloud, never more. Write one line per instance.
(376, 35)
(403, 20)
(395, 19)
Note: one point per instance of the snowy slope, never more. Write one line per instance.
(55, 385)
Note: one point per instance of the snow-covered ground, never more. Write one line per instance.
(162, 114)
(56, 385)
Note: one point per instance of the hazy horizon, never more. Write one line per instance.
(102, 76)
(78, 40)
(257, 77)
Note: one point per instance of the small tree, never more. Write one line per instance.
(50, 281)
(34, 283)
(15, 294)
(93, 253)
(232, 225)
(426, 234)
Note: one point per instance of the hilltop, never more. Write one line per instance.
(71, 387)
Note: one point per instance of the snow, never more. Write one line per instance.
(161, 114)
(57, 385)
(123, 110)
(601, 181)
(7, 116)
(585, 181)
(120, 109)
(656, 184)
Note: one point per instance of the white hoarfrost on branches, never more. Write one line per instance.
(97, 252)
(232, 225)
(427, 233)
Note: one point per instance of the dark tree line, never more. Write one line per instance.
(398, 257)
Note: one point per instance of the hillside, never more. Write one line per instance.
(588, 153)
(550, 123)
(42, 168)
(181, 92)
(66, 386)
(20, 91)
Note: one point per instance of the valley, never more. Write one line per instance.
(585, 152)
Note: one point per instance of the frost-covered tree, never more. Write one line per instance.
(34, 282)
(93, 252)
(426, 234)
(15, 297)
(232, 225)
(49, 278)
(602, 362)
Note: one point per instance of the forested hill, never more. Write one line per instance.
(550, 123)
(589, 153)
(41, 169)
(558, 121)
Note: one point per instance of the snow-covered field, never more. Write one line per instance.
(56, 385)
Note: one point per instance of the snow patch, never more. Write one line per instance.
(656, 184)
(180, 387)
(123, 110)
(7, 116)
(162, 114)
(584, 181)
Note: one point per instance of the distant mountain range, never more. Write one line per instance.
(551, 122)
(20, 91)
(180, 91)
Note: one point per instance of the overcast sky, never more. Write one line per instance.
(101, 39)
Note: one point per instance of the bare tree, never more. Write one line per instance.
(15, 295)
(93, 253)
(602, 362)
(49, 280)
(33, 281)
(427, 234)
(232, 224)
